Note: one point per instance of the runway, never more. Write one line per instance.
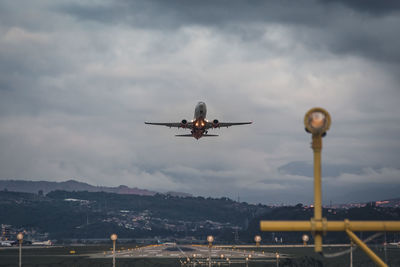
(192, 252)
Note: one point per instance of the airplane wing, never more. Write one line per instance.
(172, 124)
(227, 124)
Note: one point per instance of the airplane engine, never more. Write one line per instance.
(184, 123)
(215, 123)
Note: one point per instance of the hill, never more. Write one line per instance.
(64, 214)
(70, 185)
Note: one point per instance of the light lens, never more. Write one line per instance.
(20, 236)
(305, 238)
(317, 120)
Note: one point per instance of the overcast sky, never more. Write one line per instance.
(79, 78)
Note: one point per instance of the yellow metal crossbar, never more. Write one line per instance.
(330, 226)
(320, 227)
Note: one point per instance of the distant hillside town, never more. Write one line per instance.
(82, 216)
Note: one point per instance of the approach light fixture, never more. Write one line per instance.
(317, 121)
(210, 239)
(113, 237)
(305, 239)
(20, 238)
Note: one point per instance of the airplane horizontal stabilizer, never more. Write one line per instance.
(184, 135)
(210, 135)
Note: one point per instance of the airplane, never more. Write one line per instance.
(42, 243)
(6, 243)
(199, 126)
(396, 244)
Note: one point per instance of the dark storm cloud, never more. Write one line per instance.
(178, 13)
(79, 78)
(158, 13)
(343, 27)
(369, 6)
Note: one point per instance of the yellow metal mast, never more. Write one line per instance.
(317, 122)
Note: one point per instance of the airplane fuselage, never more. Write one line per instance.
(199, 120)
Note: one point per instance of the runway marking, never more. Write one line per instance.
(202, 252)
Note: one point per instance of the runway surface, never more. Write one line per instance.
(192, 252)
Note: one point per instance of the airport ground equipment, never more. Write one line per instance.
(113, 238)
(257, 239)
(317, 122)
(210, 240)
(20, 238)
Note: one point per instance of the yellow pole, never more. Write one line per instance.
(366, 249)
(20, 253)
(114, 253)
(209, 253)
(317, 147)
